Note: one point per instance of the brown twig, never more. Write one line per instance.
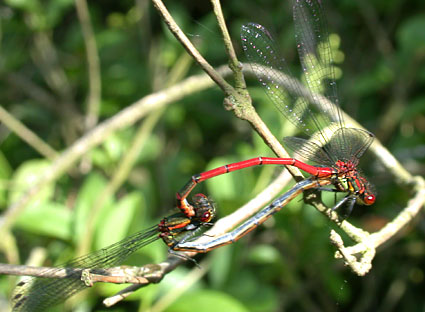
(367, 247)
(164, 268)
(27, 135)
(234, 63)
(93, 99)
(144, 275)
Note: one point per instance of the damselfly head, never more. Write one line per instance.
(204, 207)
(368, 195)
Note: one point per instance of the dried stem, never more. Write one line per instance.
(93, 101)
(234, 64)
(27, 135)
(367, 247)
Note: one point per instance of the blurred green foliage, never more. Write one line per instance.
(287, 264)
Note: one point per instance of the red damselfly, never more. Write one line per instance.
(40, 293)
(333, 147)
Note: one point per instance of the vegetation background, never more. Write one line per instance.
(287, 264)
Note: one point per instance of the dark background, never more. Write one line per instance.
(287, 264)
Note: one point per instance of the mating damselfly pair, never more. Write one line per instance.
(334, 148)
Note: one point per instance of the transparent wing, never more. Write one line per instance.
(306, 108)
(349, 144)
(274, 75)
(315, 52)
(357, 141)
(308, 150)
(39, 293)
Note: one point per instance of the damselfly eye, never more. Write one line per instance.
(206, 217)
(369, 199)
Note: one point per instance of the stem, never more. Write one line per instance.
(234, 63)
(27, 135)
(187, 44)
(93, 101)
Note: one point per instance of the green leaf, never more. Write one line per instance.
(221, 187)
(237, 185)
(221, 265)
(114, 147)
(86, 201)
(49, 219)
(264, 254)
(28, 175)
(119, 219)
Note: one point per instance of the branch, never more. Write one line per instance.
(367, 247)
(142, 276)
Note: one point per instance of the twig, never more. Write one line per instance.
(27, 135)
(379, 32)
(46, 58)
(234, 64)
(93, 101)
(150, 273)
(27, 270)
(165, 267)
(40, 96)
(367, 247)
